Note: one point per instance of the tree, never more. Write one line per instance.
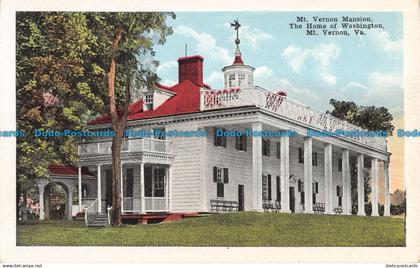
(369, 118)
(71, 67)
(128, 39)
(366, 117)
(57, 87)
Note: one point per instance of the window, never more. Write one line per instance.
(128, 183)
(300, 156)
(219, 140)
(266, 147)
(159, 133)
(266, 187)
(340, 195)
(250, 81)
(278, 195)
(231, 80)
(221, 177)
(300, 186)
(241, 79)
(340, 164)
(315, 187)
(314, 159)
(339, 190)
(314, 191)
(159, 182)
(241, 143)
(278, 150)
(148, 99)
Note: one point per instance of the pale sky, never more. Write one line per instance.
(311, 69)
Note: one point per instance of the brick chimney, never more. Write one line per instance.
(191, 68)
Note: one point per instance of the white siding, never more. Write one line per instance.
(186, 181)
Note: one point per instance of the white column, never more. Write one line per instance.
(170, 189)
(328, 178)
(167, 188)
(41, 202)
(360, 186)
(387, 197)
(122, 192)
(80, 188)
(70, 203)
(345, 164)
(257, 167)
(99, 190)
(142, 201)
(374, 194)
(284, 174)
(308, 174)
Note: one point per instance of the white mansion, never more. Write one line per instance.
(186, 174)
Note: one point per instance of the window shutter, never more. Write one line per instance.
(263, 147)
(237, 142)
(224, 139)
(214, 174)
(338, 190)
(269, 187)
(245, 140)
(299, 186)
(215, 137)
(316, 186)
(268, 147)
(225, 175)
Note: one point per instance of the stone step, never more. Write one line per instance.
(98, 220)
(97, 225)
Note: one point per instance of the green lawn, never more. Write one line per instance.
(236, 229)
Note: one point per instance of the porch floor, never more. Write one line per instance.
(154, 217)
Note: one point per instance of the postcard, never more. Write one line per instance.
(209, 132)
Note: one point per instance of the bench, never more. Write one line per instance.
(217, 205)
(319, 208)
(338, 210)
(270, 206)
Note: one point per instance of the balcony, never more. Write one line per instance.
(128, 146)
(132, 149)
(285, 107)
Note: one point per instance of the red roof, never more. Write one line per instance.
(185, 100)
(136, 107)
(238, 60)
(67, 170)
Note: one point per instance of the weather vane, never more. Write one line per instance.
(236, 26)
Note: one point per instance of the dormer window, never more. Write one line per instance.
(148, 99)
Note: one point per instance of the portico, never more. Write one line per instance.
(144, 177)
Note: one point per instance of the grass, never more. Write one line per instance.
(228, 230)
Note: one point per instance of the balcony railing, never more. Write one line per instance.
(155, 203)
(131, 204)
(283, 106)
(152, 204)
(128, 145)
